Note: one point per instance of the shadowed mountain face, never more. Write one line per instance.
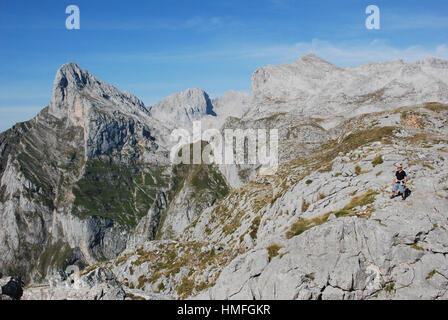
(88, 182)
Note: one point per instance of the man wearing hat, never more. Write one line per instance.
(400, 181)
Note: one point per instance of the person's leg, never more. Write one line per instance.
(394, 190)
(403, 191)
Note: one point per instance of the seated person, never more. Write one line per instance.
(400, 182)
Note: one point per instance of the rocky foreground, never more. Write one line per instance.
(107, 200)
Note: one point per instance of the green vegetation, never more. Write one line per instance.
(134, 297)
(121, 193)
(308, 182)
(358, 201)
(186, 288)
(169, 259)
(208, 178)
(378, 160)
(433, 273)
(416, 247)
(427, 165)
(390, 287)
(161, 287)
(359, 171)
(234, 224)
(327, 168)
(310, 276)
(254, 227)
(142, 280)
(380, 222)
(436, 107)
(423, 163)
(302, 225)
(353, 141)
(54, 255)
(273, 250)
(305, 206)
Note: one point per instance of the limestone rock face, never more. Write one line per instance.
(181, 109)
(314, 87)
(76, 90)
(99, 284)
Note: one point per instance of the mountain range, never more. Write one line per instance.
(89, 183)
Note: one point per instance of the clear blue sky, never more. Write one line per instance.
(155, 48)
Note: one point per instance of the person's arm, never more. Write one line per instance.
(405, 180)
(395, 180)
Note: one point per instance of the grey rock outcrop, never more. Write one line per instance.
(98, 284)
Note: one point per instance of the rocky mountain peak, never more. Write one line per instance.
(183, 107)
(76, 90)
(311, 58)
(314, 87)
(434, 63)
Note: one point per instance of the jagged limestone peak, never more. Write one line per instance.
(184, 107)
(74, 89)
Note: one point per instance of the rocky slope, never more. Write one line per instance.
(322, 227)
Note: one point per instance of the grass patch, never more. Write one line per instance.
(389, 288)
(326, 168)
(305, 205)
(358, 201)
(427, 165)
(310, 276)
(254, 227)
(416, 247)
(134, 297)
(433, 273)
(302, 225)
(308, 182)
(378, 160)
(359, 171)
(353, 141)
(273, 250)
(436, 107)
(234, 224)
(186, 288)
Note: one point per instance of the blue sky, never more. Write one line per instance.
(155, 48)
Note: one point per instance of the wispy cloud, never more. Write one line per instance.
(353, 54)
(343, 54)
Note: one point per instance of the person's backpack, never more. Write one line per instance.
(14, 288)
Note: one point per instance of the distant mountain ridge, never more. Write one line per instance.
(312, 86)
